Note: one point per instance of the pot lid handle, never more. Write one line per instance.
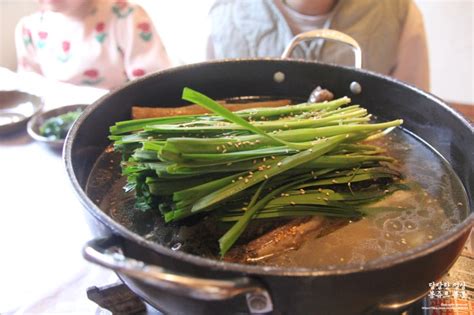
(329, 35)
(107, 253)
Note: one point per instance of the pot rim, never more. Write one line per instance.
(330, 270)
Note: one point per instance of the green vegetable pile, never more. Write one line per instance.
(57, 127)
(300, 160)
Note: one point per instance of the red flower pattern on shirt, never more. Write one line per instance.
(66, 46)
(145, 31)
(26, 36)
(144, 26)
(100, 27)
(43, 35)
(138, 72)
(101, 34)
(91, 73)
(92, 77)
(65, 55)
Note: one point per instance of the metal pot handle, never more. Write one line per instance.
(329, 35)
(107, 253)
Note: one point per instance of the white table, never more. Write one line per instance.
(42, 229)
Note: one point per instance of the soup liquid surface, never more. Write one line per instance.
(415, 217)
(421, 214)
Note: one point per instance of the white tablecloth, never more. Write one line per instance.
(42, 229)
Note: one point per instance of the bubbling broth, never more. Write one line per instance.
(435, 203)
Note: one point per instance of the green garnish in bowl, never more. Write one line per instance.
(57, 127)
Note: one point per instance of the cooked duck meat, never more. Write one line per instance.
(284, 238)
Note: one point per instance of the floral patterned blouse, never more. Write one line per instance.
(113, 44)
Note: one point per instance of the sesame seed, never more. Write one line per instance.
(266, 176)
(279, 164)
(292, 203)
(246, 180)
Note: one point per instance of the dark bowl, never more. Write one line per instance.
(16, 108)
(39, 119)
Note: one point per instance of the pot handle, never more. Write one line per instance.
(107, 253)
(329, 35)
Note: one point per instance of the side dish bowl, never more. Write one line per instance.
(40, 118)
(16, 108)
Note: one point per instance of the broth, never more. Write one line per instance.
(417, 216)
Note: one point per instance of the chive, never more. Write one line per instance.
(231, 236)
(288, 161)
(275, 169)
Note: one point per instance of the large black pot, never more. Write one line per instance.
(180, 285)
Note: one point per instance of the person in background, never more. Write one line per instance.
(100, 43)
(390, 32)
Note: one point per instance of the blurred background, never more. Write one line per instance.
(182, 26)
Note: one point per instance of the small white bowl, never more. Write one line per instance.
(16, 108)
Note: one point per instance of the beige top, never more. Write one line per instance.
(391, 34)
